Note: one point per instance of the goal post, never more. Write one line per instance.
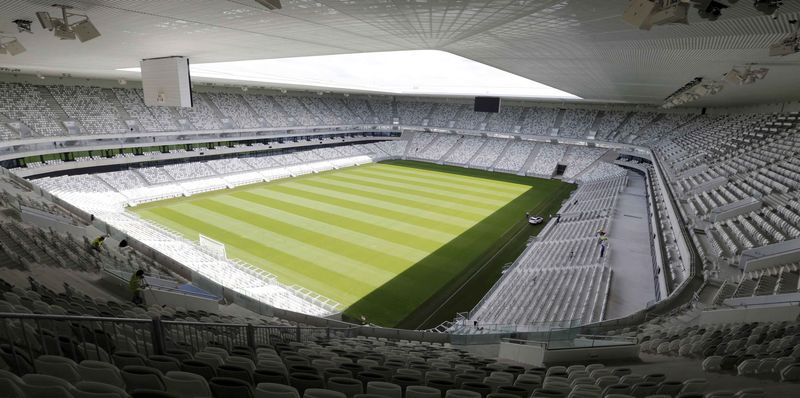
(213, 247)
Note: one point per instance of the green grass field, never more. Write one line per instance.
(393, 241)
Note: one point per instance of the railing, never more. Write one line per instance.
(162, 283)
(26, 336)
(492, 333)
(580, 341)
(23, 337)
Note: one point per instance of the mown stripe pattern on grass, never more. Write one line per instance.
(348, 232)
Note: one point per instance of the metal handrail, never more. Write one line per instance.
(81, 318)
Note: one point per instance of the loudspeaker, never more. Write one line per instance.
(166, 82)
(85, 30)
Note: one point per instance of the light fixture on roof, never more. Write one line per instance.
(768, 7)
(692, 91)
(645, 13)
(747, 75)
(23, 25)
(10, 45)
(244, 88)
(710, 9)
(788, 45)
(270, 4)
(84, 30)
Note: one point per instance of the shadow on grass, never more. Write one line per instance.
(438, 286)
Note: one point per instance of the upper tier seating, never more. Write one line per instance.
(103, 111)
(6, 133)
(506, 120)
(576, 122)
(234, 107)
(24, 102)
(200, 115)
(91, 107)
(630, 130)
(151, 118)
(539, 121)
(413, 113)
(268, 109)
(382, 109)
(443, 115)
(467, 118)
(342, 112)
(361, 108)
(608, 123)
(295, 108)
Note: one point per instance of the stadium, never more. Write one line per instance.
(400, 199)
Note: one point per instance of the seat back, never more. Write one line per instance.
(164, 363)
(275, 390)
(230, 387)
(101, 372)
(46, 386)
(186, 385)
(142, 378)
(322, 393)
(91, 389)
(422, 392)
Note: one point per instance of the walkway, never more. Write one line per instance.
(630, 255)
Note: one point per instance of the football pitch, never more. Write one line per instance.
(392, 241)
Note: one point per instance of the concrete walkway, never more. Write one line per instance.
(630, 259)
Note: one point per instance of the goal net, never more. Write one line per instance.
(212, 247)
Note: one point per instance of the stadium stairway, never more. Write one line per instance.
(509, 144)
(531, 159)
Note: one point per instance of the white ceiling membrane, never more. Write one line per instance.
(582, 47)
(415, 72)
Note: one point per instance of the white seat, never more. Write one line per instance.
(186, 385)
